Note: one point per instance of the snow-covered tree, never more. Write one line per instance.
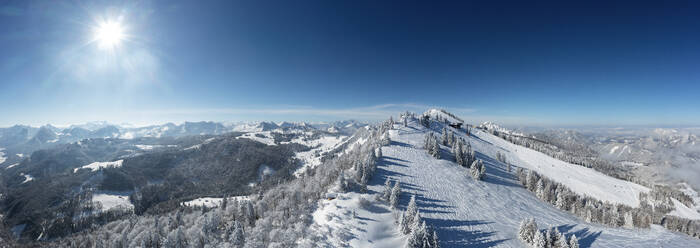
(436, 241)
(540, 241)
(540, 192)
(561, 201)
(573, 242)
(458, 151)
(395, 194)
(418, 236)
(477, 170)
(431, 144)
(237, 237)
(409, 215)
(445, 139)
(527, 230)
(561, 241)
(378, 152)
(386, 193)
(425, 121)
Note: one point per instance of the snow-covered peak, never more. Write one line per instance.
(443, 115)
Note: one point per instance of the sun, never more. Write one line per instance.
(109, 34)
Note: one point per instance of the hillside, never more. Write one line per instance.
(466, 212)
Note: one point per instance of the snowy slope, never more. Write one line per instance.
(579, 179)
(312, 158)
(485, 213)
(369, 226)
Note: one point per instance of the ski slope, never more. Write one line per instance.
(469, 213)
(579, 179)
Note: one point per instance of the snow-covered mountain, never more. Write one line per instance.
(470, 213)
(298, 184)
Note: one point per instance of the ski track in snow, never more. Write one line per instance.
(469, 213)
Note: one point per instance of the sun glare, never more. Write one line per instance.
(109, 34)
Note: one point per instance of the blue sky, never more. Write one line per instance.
(544, 63)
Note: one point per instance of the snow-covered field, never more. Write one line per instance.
(470, 213)
(98, 165)
(212, 202)
(264, 137)
(110, 201)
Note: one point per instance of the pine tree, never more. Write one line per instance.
(477, 170)
(561, 241)
(526, 231)
(403, 226)
(539, 240)
(395, 194)
(445, 141)
(561, 201)
(522, 231)
(410, 214)
(554, 237)
(414, 240)
(548, 238)
(237, 237)
(540, 189)
(435, 242)
(573, 242)
(386, 195)
(458, 151)
(427, 239)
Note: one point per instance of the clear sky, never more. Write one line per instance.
(514, 62)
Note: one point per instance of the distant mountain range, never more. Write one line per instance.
(20, 140)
